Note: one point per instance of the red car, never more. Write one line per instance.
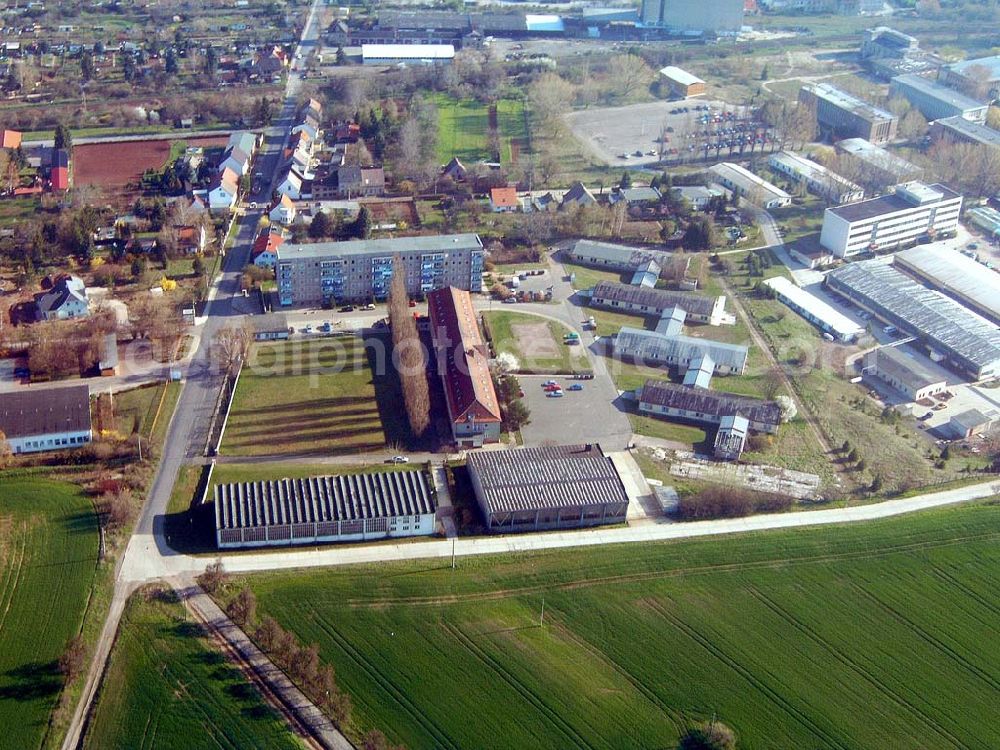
(553, 387)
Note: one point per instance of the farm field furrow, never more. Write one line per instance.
(48, 551)
(167, 686)
(851, 637)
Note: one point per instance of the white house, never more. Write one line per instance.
(223, 190)
(283, 211)
(66, 299)
(291, 184)
(236, 160)
(46, 420)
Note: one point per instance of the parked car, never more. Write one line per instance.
(348, 308)
(413, 303)
(307, 329)
(551, 388)
(576, 387)
(555, 394)
(369, 306)
(398, 460)
(549, 382)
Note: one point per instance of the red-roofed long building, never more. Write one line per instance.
(463, 364)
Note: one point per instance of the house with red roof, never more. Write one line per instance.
(504, 200)
(264, 253)
(462, 361)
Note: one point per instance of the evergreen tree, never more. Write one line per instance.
(626, 181)
(62, 138)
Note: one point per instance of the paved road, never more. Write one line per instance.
(186, 433)
(145, 563)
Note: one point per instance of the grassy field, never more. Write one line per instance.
(463, 126)
(864, 636)
(315, 397)
(501, 325)
(146, 410)
(48, 562)
(167, 686)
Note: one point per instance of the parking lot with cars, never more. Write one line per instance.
(671, 132)
(581, 414)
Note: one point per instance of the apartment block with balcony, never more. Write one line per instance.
(360, 271)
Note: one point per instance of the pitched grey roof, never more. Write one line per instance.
(891, 362)
(346, 497)
(622, 256)
(45, 411)
(709, 403)
(657, 299)
(269, 322)
(65, 289)
(561, 476)
(652, 347)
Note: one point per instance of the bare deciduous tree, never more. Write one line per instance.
(410, 358)
(243, 608)
(628, 75)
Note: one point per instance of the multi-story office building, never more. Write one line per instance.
(844, 115)
(935, 100)
(913, 211)
(818, 179)
(360, 270)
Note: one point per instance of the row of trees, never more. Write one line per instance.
(409, 355)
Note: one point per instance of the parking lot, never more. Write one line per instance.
(585, 416)
(691, 130)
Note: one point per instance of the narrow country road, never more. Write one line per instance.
(144, 563)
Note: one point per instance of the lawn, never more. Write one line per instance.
(48, 563)
(328, 396)
(863, 636)
(535, 355)
(585, 277)
(463, 126)
(146, 410)
(167, 686)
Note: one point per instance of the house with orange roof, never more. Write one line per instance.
(504, 200)
(462, 361)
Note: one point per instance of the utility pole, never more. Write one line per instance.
(541, 620)
(453, 553)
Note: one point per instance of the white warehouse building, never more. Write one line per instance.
(747, 185)
(821, 314)
(818, 179)
(914, 211)
(341, 508)
(411, 54)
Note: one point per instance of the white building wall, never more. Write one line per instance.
(50, 442)
(276, 536)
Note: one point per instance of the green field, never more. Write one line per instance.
(311, 398)
(865, 636)
(48, 562)
(168, 686)
(146, 410)
(463, 126)
(530, 355)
